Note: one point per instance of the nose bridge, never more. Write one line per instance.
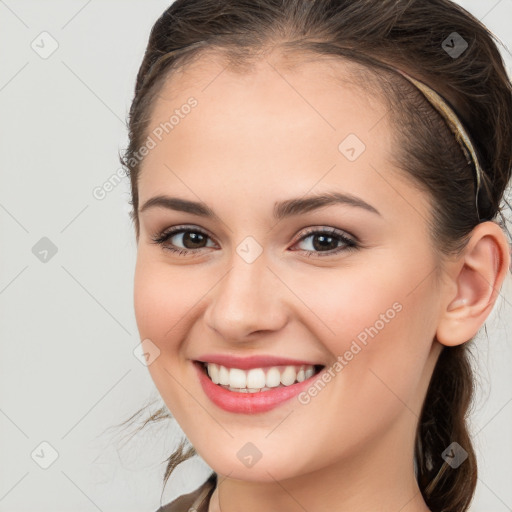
(245, 300)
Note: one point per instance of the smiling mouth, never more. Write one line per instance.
(257, 380)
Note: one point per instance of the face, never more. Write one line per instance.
(346, 288)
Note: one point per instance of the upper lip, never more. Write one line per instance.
(246, 363)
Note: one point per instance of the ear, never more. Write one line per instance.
(474, 283)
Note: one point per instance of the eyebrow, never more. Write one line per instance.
(282, 209)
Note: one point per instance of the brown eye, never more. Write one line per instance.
(329, 241)
(191, 240)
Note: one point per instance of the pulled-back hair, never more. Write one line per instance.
(410, 35)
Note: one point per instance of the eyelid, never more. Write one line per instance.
(349, 242)
(179, 228)
(325, 229)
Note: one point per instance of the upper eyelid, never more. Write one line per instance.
(310, 230)
(174, 230)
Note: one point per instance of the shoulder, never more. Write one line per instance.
(197, 500)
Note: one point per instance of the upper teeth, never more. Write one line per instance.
(259, 378)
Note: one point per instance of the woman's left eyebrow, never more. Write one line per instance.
(306, 204)
(282, 209)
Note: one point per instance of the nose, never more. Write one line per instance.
(249, 300)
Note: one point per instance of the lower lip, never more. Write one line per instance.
(249, 403)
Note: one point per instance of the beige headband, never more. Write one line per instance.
(455, 125)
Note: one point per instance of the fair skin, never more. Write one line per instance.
(256, 138)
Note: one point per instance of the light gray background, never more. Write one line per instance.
(67, 326)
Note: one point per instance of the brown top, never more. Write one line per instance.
(196, 501)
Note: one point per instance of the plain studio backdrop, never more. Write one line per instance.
(69, 366)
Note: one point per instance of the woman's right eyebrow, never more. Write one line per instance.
(282, 209)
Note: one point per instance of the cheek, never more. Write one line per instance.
(350, 305)
(377, 326)
(162, 298)
(382, 340)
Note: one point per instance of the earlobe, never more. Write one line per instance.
(477, 276)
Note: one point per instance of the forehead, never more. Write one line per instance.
(197, 72)
(276, 100)
(280, 124)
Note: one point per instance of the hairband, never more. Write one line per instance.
(456, 126)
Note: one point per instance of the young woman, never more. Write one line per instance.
(317, 191)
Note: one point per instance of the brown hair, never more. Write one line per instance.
(410, 35)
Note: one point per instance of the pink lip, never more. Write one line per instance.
(249, 403)
(246, 363)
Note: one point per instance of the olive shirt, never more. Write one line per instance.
(196, 501)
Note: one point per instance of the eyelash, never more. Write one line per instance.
(350, 244)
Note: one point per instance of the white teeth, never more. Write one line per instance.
(213, 372)
(273, 378)
(288, 376)
(237, 378)
(223, 376)
(255, 378)
(258, 379)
